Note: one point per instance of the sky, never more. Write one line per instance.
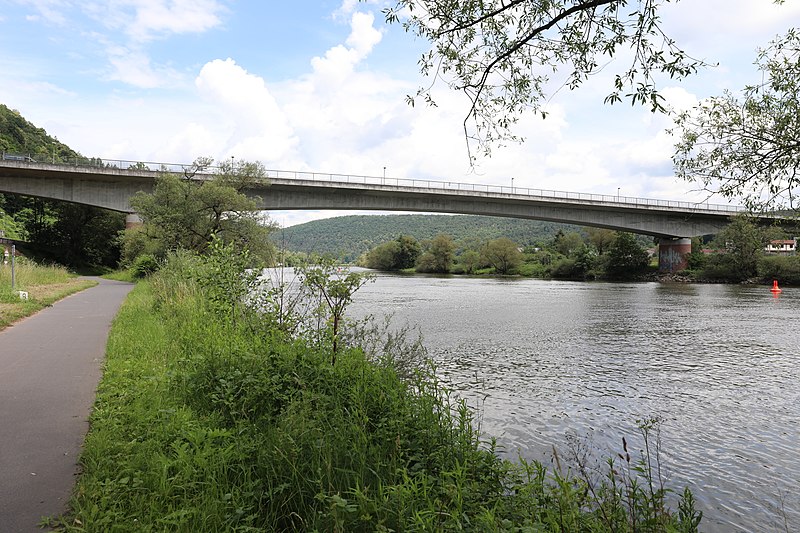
(320, 86)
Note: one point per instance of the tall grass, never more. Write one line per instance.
(44, 285)
(205, 421)
(27, 274)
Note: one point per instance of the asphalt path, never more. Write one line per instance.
(50, 365)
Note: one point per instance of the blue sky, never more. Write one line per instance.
(319, 85)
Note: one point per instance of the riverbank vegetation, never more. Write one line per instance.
(44, 285)
(218, 412)
(737, 254)
(595, 254)
(184, 213)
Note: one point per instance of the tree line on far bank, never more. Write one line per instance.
(597, 253)
(736, 254)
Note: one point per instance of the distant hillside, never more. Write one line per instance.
(18, 136)
(349, 236)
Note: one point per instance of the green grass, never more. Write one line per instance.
(205, 423)
(122, 275)
(27, 274)
(45, 284)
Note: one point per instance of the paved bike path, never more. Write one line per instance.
(50, 364)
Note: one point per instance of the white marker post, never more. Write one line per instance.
(13, 254)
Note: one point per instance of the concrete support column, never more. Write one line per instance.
(672, 254)
(132, 220)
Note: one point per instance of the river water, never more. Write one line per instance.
(547, 363)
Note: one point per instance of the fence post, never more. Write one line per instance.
(13, 264)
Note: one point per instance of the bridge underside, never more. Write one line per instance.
(646, 220)
(107, 188)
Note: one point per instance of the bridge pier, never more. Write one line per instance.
(132, 220)
(672, 254)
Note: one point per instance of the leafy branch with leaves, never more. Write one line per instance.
(502, 54)
(746, 146)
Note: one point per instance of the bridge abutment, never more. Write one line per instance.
(132, 220)
(672, 254)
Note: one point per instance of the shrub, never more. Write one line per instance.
(564, 269)
(144, 265)
(719, 267)
(786, 269)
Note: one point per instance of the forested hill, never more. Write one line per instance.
(18, 136)
(349, 236)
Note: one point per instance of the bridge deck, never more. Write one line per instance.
(111, 183)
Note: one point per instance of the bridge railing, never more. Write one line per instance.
(498, 189)
(527, 192)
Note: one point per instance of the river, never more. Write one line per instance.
(546, 363)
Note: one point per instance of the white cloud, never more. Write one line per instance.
(348, 7)
(174, 17)
(134, 23)
(145, 20)
(261, 130)
(50, 11)
(340, 61)
(712, 23)
(678, 99)
(363, 36)
(195, 138)
(134, 68)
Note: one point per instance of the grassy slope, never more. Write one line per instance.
(44, 284)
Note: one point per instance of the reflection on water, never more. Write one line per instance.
(543, 360)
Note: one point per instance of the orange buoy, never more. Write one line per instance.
(775, 287)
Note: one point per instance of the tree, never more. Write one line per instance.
(569, 243)
(184, 213)
(502, 54)
(438, 255)
(502, 254)
(601, 238)
(743, 244)
(626, 257)
(226, 278)
(85, 235)
(383, 256)
(72, 234)
(394, 255)
(336, 287)
(408, 251)
(747, 146)
(470, 261)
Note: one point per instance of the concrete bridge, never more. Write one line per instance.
(110, 184)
